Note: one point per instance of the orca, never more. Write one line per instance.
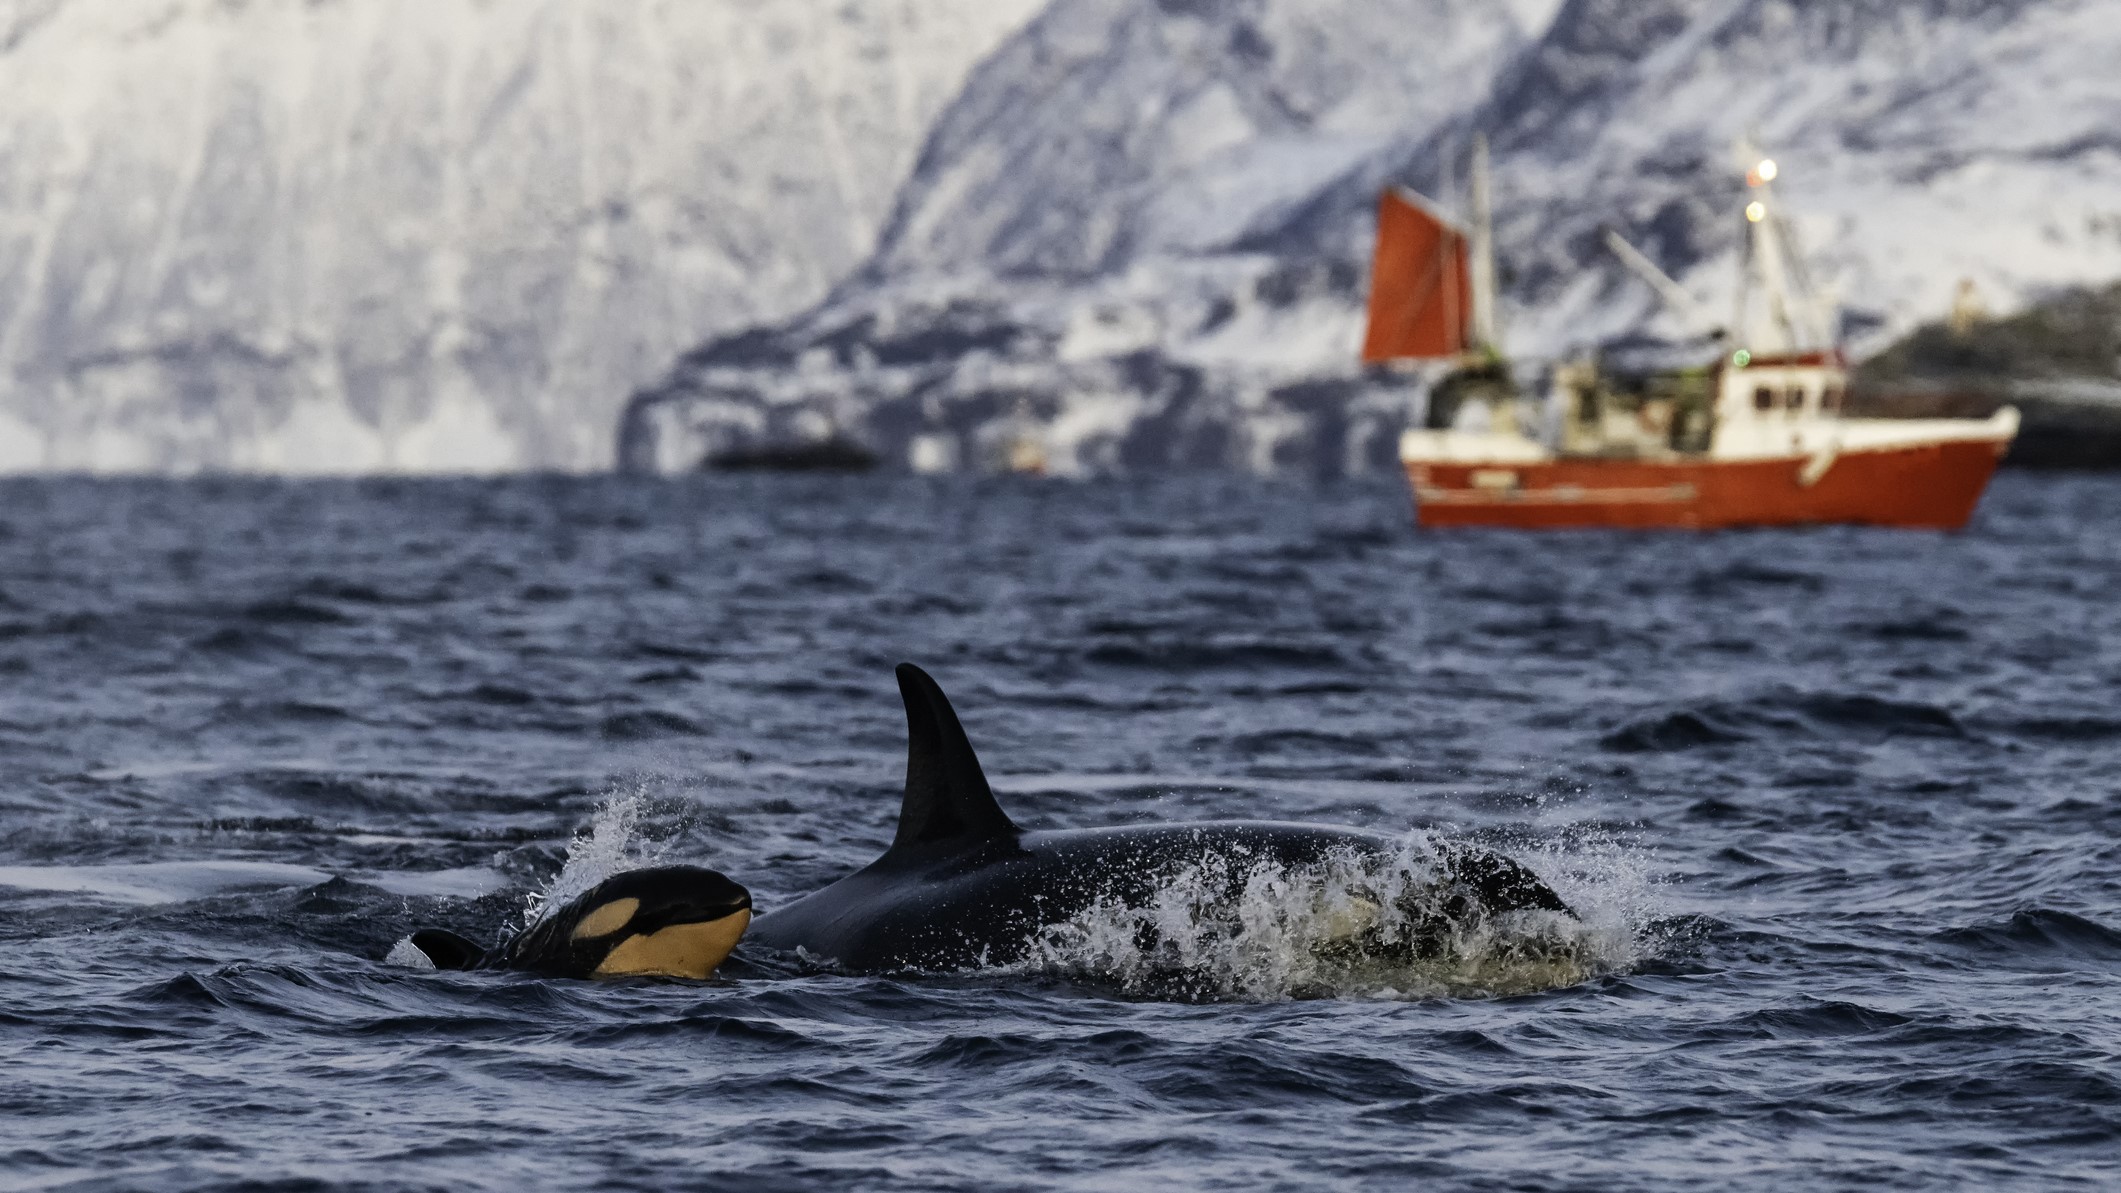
(665, 921)
(962, 886)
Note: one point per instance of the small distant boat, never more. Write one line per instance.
(1024, 445)
(1015, 445)
(1754, 438)
(837, 454)
(1026, 457)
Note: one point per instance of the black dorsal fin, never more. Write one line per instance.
(947, 797)
(447, 950)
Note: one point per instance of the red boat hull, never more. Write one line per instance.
(1930, 486)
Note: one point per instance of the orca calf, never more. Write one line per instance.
(962, 886)
(668, 921)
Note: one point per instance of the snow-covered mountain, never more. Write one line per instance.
(1923, 141)
(427, 234)
(1106, 133)
(1147, 225)
(447, 233)
(1092, 243)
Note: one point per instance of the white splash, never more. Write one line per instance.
(1253, 930)
(624, 835)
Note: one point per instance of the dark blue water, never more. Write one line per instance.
(1842, 803)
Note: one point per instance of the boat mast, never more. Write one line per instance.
(1483, 263)
(1768, 251)
(1770, 247)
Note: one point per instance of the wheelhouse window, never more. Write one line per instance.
(1830, 401)
(1763, 398)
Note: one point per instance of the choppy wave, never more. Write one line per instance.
(1836, 807)
(1783, 715)
(1248, 928)
(1231, 928)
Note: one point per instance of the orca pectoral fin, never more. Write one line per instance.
(947, 797)
(446, 949)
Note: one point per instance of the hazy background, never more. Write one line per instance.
(380, 235)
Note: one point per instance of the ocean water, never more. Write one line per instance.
(1839, 805)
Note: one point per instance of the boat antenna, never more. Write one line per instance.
(1675, 298)
(1805, 294)
(1484, 332)
(1771, 249)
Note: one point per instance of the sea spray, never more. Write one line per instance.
(1615, 884)
(1353, 925)
(631, 830)
(1234, 926)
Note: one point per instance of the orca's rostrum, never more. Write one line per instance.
(962, 886)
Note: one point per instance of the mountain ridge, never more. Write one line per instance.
(426, 234)
(1919, 147)
(388, 235)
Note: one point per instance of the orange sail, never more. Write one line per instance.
(1420, 297)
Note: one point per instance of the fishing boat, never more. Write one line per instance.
(1754, 437)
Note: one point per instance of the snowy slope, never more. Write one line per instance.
(1109, 131)
(1147, 224)
(1068, 250)
(1922, 141)
(354, 234)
